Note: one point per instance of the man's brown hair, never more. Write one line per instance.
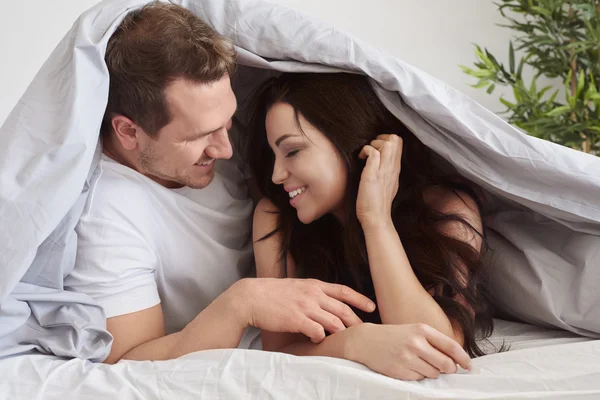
(151, 48)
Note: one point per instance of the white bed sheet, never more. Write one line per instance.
(542, 364)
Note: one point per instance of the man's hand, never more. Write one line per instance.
(407, 352)
(305, 306)
(302, 306)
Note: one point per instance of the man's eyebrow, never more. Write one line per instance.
(199, 135)
(282, 138)
(202, 134)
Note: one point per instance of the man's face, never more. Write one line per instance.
(184, 151)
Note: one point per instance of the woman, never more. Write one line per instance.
(353, 197)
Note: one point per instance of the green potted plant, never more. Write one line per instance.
(558, 40)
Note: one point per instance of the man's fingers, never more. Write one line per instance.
(313, 330)
(448, 347)
(328, 321)
(348, 296)
(342, 311)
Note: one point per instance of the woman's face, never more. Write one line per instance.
(307, 164)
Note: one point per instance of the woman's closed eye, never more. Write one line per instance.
(291, 153)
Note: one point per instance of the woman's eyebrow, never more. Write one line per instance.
(282, 138)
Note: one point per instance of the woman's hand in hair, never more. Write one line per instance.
(407, 352)
(379, 179)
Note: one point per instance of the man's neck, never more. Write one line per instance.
(115, 153)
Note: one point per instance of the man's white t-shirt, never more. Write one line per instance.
(141, 244)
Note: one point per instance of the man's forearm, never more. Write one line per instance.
(219, 326)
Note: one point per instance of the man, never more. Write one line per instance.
(164, 240)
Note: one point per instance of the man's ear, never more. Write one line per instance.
(126, 131)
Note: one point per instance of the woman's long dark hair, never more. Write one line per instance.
(345, 108)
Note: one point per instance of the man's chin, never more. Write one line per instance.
(200, 182)
(194, 181)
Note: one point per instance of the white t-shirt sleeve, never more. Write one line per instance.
(115, 266)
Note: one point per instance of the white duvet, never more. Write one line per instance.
(542, 364)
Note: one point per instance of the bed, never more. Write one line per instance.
(542, 210)
(541, 363)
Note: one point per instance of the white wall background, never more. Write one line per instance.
(434, 35)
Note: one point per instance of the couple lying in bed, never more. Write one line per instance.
(379, 249)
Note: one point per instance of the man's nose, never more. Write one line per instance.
(220, 145)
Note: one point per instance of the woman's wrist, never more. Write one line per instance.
(355, 342)
(376, 222)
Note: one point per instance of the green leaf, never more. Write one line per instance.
(480, 73)
(559, 111)
(490, 90)
(508, 104)
(481, 84)
(580, 84)
(543, 92)
(483, 73)
(542, 11)
(466, 70)
(594, 96)
(520, 69)
(481, 55)
(511, 58)
(568, 85)
(553, 97)
(533, 87)
(591, 93)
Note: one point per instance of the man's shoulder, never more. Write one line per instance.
(116, 189)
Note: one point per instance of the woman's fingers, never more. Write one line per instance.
(399, 145)
(439, 360)
(422, 367)
(385, 136)
(448, 347)
(390, 148)
(373, 160)
(378, 144)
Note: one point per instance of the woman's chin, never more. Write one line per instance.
(304, 217)
(305, 221)
(307, 217)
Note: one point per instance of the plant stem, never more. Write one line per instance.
(573, 66)
(598, 48)
(573, 60)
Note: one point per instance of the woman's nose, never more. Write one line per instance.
(279, 173)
